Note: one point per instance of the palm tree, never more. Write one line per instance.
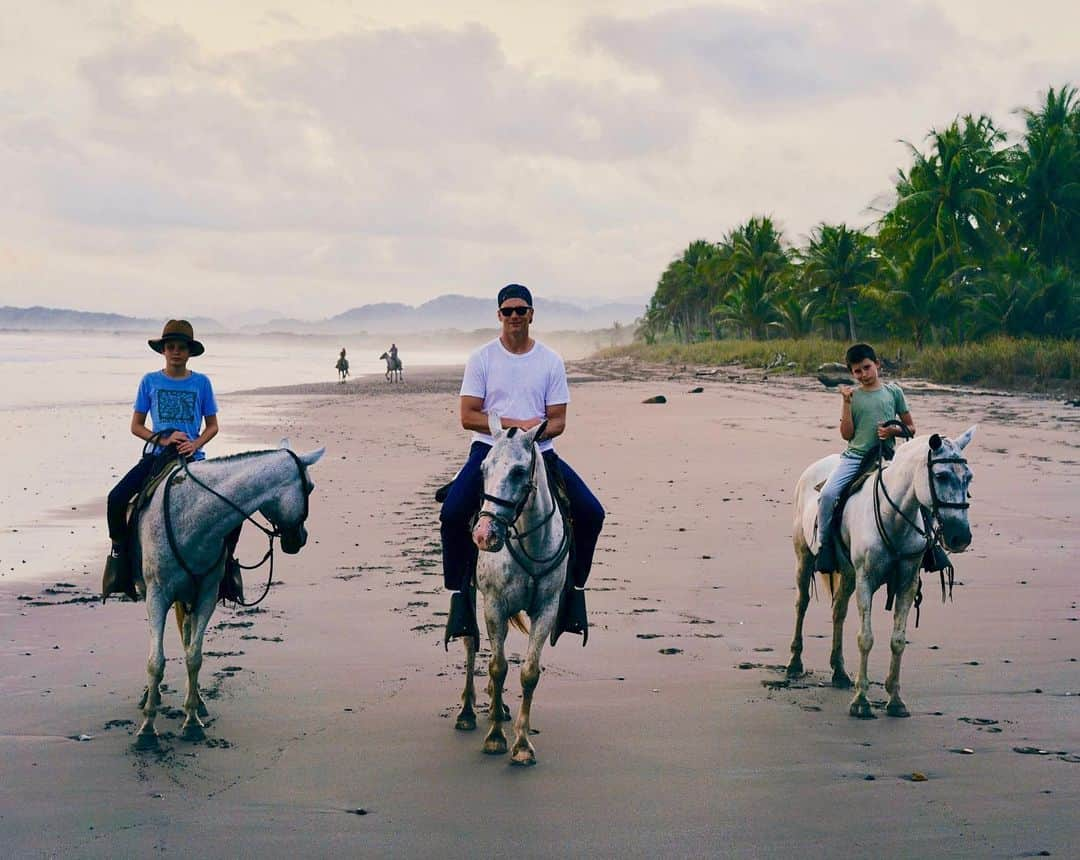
(916, 288)
(1046, 172)
(838, 262)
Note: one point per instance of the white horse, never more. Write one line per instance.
(883, 534)
(180, 548)
(393, 368)
(521, 569)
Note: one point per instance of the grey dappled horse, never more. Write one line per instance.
(393, 368)
(927, 476)
(276, 484)
(521, 569)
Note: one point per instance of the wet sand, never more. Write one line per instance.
(674, 732)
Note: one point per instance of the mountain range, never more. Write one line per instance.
(445, 313)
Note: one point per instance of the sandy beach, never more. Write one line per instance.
(674, 733)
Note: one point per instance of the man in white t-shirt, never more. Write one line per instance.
(524, 382)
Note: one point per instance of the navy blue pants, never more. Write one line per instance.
(466, 497)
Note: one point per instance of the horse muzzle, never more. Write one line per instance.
(956, 539)
(293, 540)
(489, 534)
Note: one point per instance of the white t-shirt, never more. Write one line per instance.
(515, 386)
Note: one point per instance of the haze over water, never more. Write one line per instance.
(66, 401)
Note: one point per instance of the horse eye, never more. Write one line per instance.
(941, 476)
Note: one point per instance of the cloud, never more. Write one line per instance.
(794, 54)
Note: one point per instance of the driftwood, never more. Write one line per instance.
(833, 381)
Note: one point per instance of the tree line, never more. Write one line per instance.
(982, 239)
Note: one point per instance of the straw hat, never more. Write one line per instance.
(177, 330)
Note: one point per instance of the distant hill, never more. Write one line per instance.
(445, 313)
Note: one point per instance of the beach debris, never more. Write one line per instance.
(833, 381)
(358, 811)
(917, 776)
(1030, 751)
(697, 390)
(659, 398)
(671, 651)
(81, 738)
(963, 751)
(833, 367)
(711, 372)
(1075, 402)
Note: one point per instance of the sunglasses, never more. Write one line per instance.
(520, 310)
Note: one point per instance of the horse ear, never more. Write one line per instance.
(962, 442)
(312, 458)
(537, 431)
(935, 442)
(284, 443)
(494, 423)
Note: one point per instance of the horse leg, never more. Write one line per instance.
(466, 718)
(841, 598)
(804, 571)
(495, 742)
(192, 729)
(860, 705)
(522, 752)
(184, 622)
(904, 600)
(156, 609)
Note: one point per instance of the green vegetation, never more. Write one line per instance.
(973, 273)
(1043, 364)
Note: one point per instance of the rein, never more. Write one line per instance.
(521, 555)
(271, 534)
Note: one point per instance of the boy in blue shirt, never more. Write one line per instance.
(183, 410)
(863, 412)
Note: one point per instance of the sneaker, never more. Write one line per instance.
(461, 620)
(572, 617)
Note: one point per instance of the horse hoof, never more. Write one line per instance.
(897, 709)
(146, 742)
(495, 746)
(465, 724)
(523, 758)
(861, 710)
(192, 732)
(841, 680)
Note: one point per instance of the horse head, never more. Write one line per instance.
(509, 471)
(288, 509)
(944, 489)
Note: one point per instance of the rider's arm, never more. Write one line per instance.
(907, 421)
(556, 420)
(138, 426)
(210, 430)
(847, 423)
(474, 418)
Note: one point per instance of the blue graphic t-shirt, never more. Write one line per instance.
(176, 404)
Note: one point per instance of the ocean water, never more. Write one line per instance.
(65, 406)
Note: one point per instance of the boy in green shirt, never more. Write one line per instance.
(865, 409)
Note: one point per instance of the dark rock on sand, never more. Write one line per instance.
(659, 398)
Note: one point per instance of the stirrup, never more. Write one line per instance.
(462, 619)
(572, 617)
(117, 577)
(232, 582)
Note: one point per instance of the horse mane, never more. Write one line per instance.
(243, 455)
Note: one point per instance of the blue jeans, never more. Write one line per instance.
(842, 475)
(466, 497)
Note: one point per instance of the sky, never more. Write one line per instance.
(217, 159)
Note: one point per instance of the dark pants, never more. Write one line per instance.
(466, 497)
(129, 485)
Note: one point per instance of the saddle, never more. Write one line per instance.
(868, 466)
(232, 586)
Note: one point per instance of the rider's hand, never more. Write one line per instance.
(884, 432)
(846, 391)
(187, 447)
(174, 438)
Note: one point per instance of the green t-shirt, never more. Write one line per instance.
(870, 408)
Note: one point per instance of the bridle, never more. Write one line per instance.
(928, 532)
(520, 554)
(271, 534)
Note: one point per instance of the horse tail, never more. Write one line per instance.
(519, 621)
(831, 580)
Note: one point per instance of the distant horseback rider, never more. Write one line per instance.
(392, 352)
(183, 412)
(524, 381)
